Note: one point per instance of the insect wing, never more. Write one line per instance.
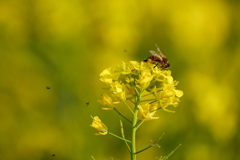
(159, 50)
(154, 53)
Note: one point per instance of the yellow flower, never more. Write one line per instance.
(147, 111)
(160, 77)
(168, 96)
(108, 76)
(99, 126)
(108, 102)
(129, 90)
(123, 69)
(117, 90)
(134, 65)
(140, 66)
(145, 78)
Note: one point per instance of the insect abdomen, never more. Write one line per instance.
(149, 59)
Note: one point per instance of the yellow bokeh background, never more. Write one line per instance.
(65, 45)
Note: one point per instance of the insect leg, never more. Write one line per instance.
(155, 65)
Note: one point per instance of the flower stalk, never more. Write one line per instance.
(134, 129)
(119, 137)
(122, 132)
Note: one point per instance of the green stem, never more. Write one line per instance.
(147, 94)
(156, 109)
(151, 93)
(144, 149)
(172, 152)
(155, 142)
(153, 101)
(134, 129)
(133, 84)
(119, 137)
(133, 139)
(139, 123)
(122, 131)
(128, 107)
(130, 100)
(122, 115)
(148, 100)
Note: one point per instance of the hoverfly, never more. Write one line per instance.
(159, 59)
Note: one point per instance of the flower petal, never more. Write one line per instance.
(99, 126)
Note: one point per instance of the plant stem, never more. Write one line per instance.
(122, 131)
(139, 123)
(130, 100)
(128, 107)
(134, 129)
(119, 137)
(148, 100)
(154, 143)
(166, 157)
(153, 101)
(147, 94)
(122, 115)
(144, 149)
(150, 93)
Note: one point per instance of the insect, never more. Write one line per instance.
(48, 87)
(158, 58)
(87, 103)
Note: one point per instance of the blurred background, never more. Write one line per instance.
(51, 55)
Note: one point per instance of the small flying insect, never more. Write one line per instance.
(87, 104)
(48, 87)
(158, 58)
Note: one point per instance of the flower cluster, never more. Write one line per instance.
(144, 89)
(129, 79)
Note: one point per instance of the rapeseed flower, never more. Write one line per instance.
(108, 102)
(99, 126)
(147, 111)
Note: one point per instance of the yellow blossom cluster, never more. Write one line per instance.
(128, 79)
(136, 81)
